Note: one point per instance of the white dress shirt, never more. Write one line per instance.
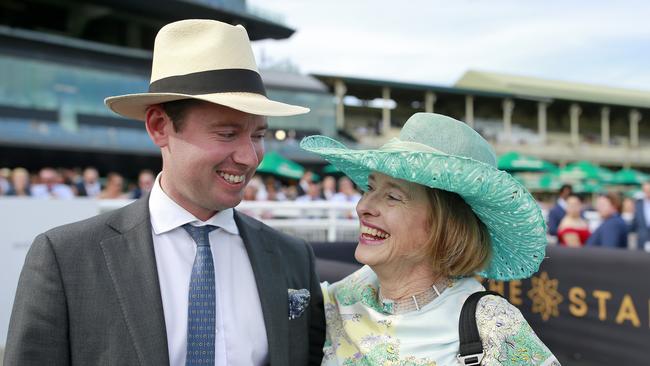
(240, 331)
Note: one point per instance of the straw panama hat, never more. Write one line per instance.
(440, 152)
(206, 60)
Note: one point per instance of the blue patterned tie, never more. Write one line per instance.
(201, 305)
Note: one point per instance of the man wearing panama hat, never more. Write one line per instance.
(178, 277)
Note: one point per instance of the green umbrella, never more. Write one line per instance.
(587, 187)
(630, 176)
(584, 170)
(274, 163)
(539, 182)
(514, 161)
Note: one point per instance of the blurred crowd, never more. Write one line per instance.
(309, 188)
(67, 183)
(605, 220)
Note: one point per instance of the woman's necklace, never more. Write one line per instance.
(414, 302)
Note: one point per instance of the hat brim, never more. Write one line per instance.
(511, 215)
(135, 105)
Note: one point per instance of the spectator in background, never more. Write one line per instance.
(273, 190)
(89, 185)
(114, 187)
(51, 185)
(627, 212)
(250, 193)
(19, 183)
(313, 193)
(146, 179)
(573, 230)
(329, 187)
(613, 231)
(641, 220)
(559, 210)
(290, 191)
(303, 183)
(5, 175)
(347, 192)
(70, 177)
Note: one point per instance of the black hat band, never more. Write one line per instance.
(212, 81)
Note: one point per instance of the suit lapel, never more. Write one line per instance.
(271, 286)
(131, 263)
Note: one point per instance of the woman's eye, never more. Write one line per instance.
(393, 197)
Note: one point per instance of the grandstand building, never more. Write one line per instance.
(59, 59)
(557, 121)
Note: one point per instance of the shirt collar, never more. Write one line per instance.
(167, 215)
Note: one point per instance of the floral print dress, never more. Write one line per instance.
(360, 332)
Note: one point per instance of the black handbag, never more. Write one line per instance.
(470, 352)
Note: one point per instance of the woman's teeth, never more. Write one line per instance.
(374, 232)
(234, 179)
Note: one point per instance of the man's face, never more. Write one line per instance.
(90, 176)
(605, 207)
(145, 182)
(207, 164)
(49, 177)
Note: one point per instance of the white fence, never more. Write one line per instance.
(313, 221)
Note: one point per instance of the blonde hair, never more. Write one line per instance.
(459, 242)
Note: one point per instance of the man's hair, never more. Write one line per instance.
(177, 111)
(564, 187)
(459, 242)
(615, 199)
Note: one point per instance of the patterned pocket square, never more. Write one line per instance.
(298, 302)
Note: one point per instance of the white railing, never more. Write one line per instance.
(312, 221)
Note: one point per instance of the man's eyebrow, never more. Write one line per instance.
(225, 124)
(233, 124)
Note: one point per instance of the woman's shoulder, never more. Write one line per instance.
(502, 325)
(350, 288)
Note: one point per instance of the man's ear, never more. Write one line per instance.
(158, 124)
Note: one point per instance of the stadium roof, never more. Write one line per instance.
(369, 87)
(132, 23)
(172, 10)
(529, 87)
(292, 81)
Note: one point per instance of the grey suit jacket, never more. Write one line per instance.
(89, 294)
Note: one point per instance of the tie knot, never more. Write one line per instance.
(199, 233)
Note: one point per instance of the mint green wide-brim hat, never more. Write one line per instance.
(440, 152)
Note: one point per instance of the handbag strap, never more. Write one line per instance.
(470, 352)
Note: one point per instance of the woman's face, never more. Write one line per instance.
(395, 228)
(573, 206)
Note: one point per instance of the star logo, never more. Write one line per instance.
(545, 296)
